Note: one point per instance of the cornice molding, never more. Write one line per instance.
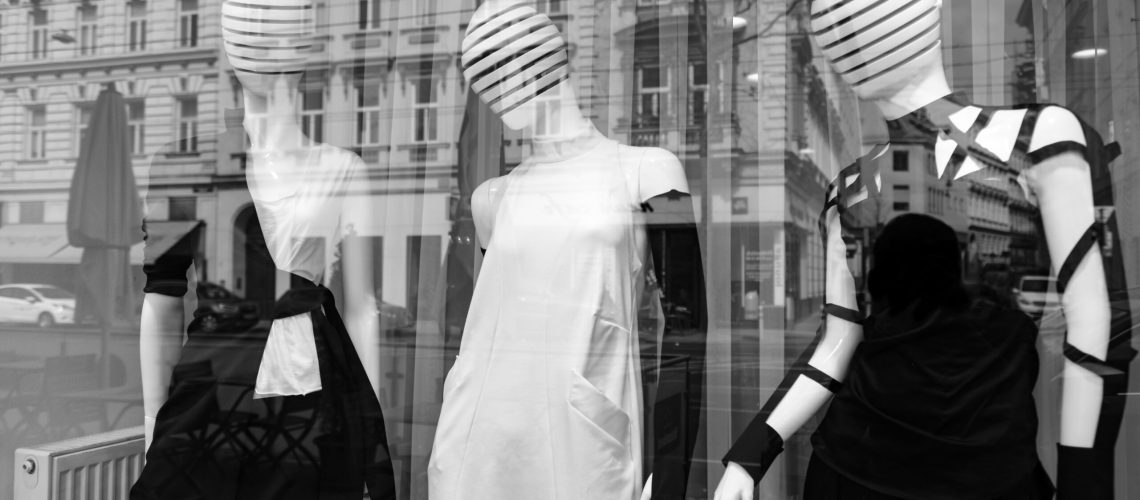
(18, 71)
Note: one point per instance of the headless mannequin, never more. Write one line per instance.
(269, 70)
(897, 65)
(516, 60)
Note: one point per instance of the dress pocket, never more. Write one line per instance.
(599, 445)
(604, 414)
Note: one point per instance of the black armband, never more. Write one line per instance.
(756, 449)
(1055, 149)
(1084, 245)
(843, 313)
(1089, 362)
(1084, 473)
(167, 276)
(823, 379)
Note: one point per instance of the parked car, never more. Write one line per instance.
(221, 310)
(44, 305)
(1037, 295)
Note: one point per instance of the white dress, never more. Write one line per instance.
(544, 401)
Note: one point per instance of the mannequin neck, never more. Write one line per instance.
(914, 95)
(272, 120)
(940, 111)
(567, 144)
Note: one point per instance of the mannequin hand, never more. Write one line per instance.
(647, 492)
(736, 484)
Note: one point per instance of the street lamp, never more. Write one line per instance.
(63, 37)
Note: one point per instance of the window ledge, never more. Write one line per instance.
(192, 154)
(424, 145)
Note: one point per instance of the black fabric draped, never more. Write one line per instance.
(938, 408)
(213, 441)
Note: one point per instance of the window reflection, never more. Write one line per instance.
(738, 91)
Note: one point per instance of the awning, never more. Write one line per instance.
(47, 243)
(30, 243)
(161, 237)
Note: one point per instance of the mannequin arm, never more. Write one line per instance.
(360, 314)
(160, 344)
(1065, 195)
(1061, 178)
(1063, 186)
(756, 449)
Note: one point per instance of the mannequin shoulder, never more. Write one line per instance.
(655, 171)
(1056, 124)
(650, 158)
(490, 187)
(485, 193)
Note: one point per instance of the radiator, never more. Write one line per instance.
(98, 467)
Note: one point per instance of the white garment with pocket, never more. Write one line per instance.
(544, 400)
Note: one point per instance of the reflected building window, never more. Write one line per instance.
(136, 126)
(901, 161)
(549, 7)
(369, 14)
(425, 109)
(312, 114)
(188, 125)
(31, 212)
(188, 23)
(901, 198)
(425, 12)
(38, 34)
(82, 116)
(652, 93)
(698, 93)
(88, 37)
(37, 132)
(183, 208)
(136, 25)
(546, 105)
(367, 113)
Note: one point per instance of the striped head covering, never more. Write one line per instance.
(878, 46)
(267, 36)
(512, 54)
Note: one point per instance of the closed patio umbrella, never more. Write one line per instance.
(104, 214)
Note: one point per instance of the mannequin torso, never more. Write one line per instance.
(893, 59)
(545, 398)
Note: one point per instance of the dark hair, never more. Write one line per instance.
(916, 261)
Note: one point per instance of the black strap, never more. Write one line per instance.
(1078, 253)
(1111, 151)
(1028, 125)
(1055, 149)
(843, 313)
(823, 379)
(756, 449)
(1089, 362)
(964, 141)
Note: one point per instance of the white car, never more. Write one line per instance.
(44, 305)
(1037, 295)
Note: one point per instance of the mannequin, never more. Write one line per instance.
(890, 54)
(294, 414)
(544, 400)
